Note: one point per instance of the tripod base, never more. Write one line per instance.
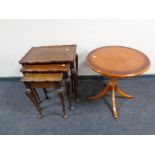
(112, 87)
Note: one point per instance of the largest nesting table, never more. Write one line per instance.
(60, 54)
(116, 62)
(48, 63)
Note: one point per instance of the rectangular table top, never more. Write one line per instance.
(45, 68)
(54, 77)
(49, 54)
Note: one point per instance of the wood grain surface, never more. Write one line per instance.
(118, 61)
(49, 54)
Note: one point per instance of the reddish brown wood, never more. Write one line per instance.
(30, 94)
(45, 68)
(117, 62)
(45, 92)
(47, 59)
(48, 77)
(61, 95)
(45, 80)
(49, 54)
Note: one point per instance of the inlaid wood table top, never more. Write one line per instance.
(118, 61)
(49, 54)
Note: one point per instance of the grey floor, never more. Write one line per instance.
(136, 116)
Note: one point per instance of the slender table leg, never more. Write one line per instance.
(37, 96)
(100, 94)
(112, 87)
(45, 92)
(114, 110)
(123, 94)
(75, 82)
(61, 95)
(31, 95)
(74, 77)
(77, 62)
(68, 90)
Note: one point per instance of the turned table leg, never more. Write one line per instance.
(68, 91)
(112, 84)
(76, 61)
(74, 77)
(61, 95)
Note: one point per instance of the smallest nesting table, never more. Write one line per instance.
(48, 80)
(116, 62)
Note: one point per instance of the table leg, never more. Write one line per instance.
(114, 110)
(31, 95)
(123, 94)
(61, 95)
(112, 84)
(75, 82)
(100, 94)
(76, 61)
(37, 96)
(112, 87)
(68, 91)
(45, 92)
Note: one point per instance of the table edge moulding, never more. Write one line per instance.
(115, 73)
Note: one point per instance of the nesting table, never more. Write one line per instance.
(46, 66)
(116, 62)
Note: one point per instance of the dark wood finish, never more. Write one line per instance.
(68, 90)
(48, 77)
(32, 97)
(45, 68)
(75, 83)
(61, 95)
(45, 92)
(36, 94)
(116, 62)
(46, 80)
(59, 58)
(76, 61)
(49, 54)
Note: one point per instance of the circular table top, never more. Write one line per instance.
(118, 61)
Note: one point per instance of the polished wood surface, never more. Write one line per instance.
(57, 57)
(54, 77)
(45, 68)
(50, 54)
(33, 98)
(46, 80)
(111, 86)
(118, 61)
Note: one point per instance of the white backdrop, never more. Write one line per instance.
(18, 36)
